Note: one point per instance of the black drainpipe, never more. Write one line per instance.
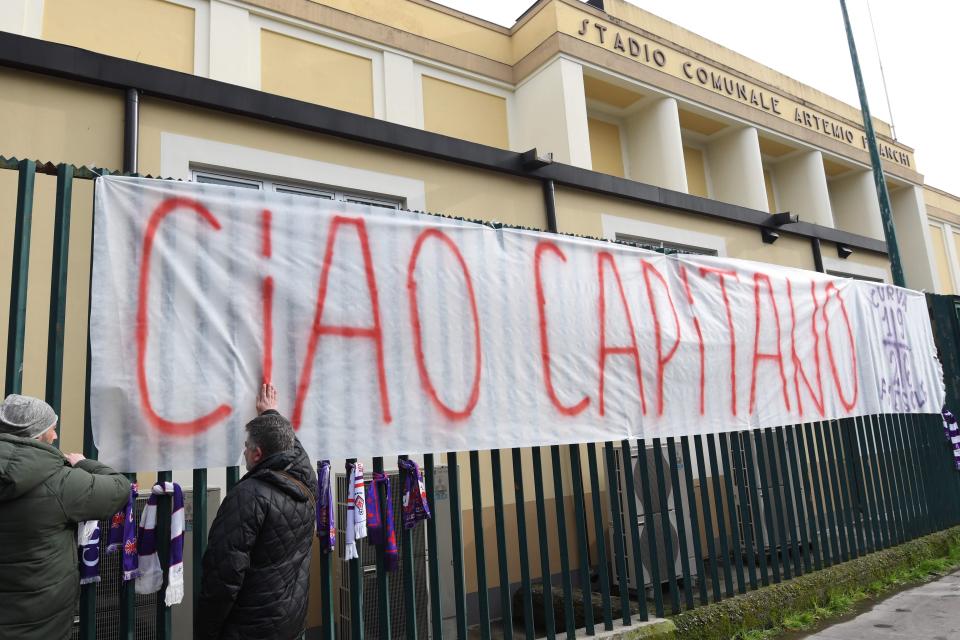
(817, 255)
(131, 130)
(550, 203)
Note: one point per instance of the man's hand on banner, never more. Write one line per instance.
(267, 398)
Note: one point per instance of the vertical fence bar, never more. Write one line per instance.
(917, 461)
(665, 525)
(695, 519)
(483, 595)
(199, 531)
(811, 471)
(708, 511)
(844, 509)
(521, 502)
(805, 521)
(728, 473)
(876, 490)
(128, 599)
(409, 578)
(505, 608)
(630, 482)
(896, 485)
(791, 501)
(843, 467)
(618, 537)
(580, 519)
(233, 477)
(380, 553)
(327, 624)
(863, 469)
(542, 528)
(938, 462)
(886, 475)
(858, 507)
(737, 440)
(561, 532)
(459, 588)
(650, 528)
(17, 322)
(783, 541)
(829, 486)
(681, 523)
(720, 498)
(433, 555)
(355, 571)
(88, 592)
(164, 620)
(599, 528)
(58, 288)
(908, 479)
(759, 486)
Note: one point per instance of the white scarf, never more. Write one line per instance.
(356, 527)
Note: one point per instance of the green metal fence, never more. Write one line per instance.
(746, 508)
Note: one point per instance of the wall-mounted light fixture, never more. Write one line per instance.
(844, 251)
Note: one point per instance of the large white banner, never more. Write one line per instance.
(391, 332)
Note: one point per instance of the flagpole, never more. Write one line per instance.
(889, 232)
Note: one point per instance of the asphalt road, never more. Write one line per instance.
(930, 611)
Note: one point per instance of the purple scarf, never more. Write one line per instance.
(952, 432)
(380, 527)
(151, 574)
(415, 507)
(123, 536)
(88, 539)
(326, 509)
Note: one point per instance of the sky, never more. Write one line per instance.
(918, 41)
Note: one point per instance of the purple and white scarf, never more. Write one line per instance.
(123, 536)
(415, 507)
(380, 521)
(952, 432)
(356, 526)
(151, 574)
(88, 539)
(326, 509)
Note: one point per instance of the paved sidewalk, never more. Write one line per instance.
(930, 611)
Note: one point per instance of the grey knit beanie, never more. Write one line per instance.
(25, 416)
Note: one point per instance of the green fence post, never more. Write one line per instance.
(720, 498)
(791, 502)
(649, 523)
(561, 533)
(665, 526)
(598, 526)
(505, 606)
(164, 621)
(408, 578)
(802, 500)
(17, 321)
(729, 470)
(583, 550)
(525, 583)
(630, 484)
(681, 522)
(618, 537)
(695, 519)
(830, 492)
(758, 484)
(355, 572)
(380, 553)
(199, 532)
(433, 555)
(58, 288)
(705, 503)
(745, 503)
(459, 587)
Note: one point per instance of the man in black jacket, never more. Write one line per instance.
(256, 570)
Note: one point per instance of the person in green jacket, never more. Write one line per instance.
(43, 495)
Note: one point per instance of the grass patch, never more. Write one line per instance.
(843, 601)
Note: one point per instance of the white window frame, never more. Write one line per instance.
(850, 269)
(181, 155)
(613, 225)
(323, 192)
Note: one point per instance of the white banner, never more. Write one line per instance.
(391, 332)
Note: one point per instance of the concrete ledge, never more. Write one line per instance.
(766, 607)
(652, 629)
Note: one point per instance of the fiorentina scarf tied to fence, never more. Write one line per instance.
(415, 507)
(88, 540)
(326, 508)
(123, 535)
(952, 432)
(356, 525)
(380, 521)
(151, 574)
